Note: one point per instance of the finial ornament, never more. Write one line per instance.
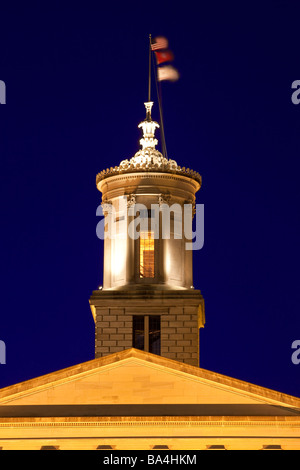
(148, 107)
(148, 127)
(148, 158)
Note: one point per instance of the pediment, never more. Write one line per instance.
(134, 382)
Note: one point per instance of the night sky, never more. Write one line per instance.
(76, 81)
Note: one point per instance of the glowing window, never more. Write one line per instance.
(146, 255)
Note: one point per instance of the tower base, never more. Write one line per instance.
(180, 314)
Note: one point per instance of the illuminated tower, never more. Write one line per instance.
(147, 300)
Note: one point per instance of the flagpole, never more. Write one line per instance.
(162, 122)
(149, 80)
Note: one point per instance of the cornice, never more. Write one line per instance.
(154, 421)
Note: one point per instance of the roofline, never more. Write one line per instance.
(71, 373)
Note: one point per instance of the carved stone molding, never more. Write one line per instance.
(131, 200)
(192, 202)
(164, 199)
(106, 207)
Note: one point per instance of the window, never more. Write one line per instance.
(154, 334)
(272, 447)
(146, 333)
(49, 448)
(146, 255)
(216, 447)
(138, 332)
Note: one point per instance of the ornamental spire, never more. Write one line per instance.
(148, 126)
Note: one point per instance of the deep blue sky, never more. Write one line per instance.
(76, 78)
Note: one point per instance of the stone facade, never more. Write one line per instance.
(113, 331)
(133, 400)
(180, 335)
(181, 315)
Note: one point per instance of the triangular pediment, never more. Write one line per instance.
(133, 381)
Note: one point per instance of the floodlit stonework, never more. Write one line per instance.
(148, 179)
(145, 389)
(137, 400)
(181, 316)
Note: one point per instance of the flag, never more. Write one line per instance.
(164, 56)
(167, 72)
(160, 43)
